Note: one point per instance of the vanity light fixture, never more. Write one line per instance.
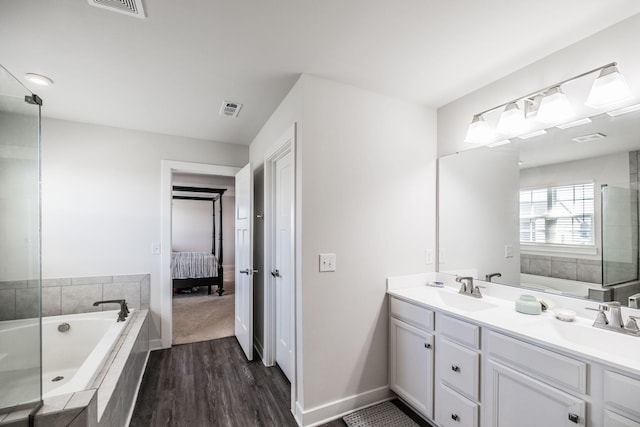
(549, 105)
(479, 131)
(609, 88)
(511, 120)
(625, 110)
(574, 123)
(554, 107)
(38, 79)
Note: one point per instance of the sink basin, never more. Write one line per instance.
(583, 334)
(462, 302)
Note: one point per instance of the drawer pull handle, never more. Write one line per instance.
(455, 417)
(574, 418)
(455, 368)
(427, 345)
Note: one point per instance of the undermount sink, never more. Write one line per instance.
(462, 302)
(583, 334)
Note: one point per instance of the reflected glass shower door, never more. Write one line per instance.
(619, 235)
(20, 285)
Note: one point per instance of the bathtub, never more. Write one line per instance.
(555, 285)
(72, 360)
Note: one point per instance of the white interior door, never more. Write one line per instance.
(244, 263)
(284, 272)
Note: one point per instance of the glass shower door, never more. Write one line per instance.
(619, 235)
(20, 284)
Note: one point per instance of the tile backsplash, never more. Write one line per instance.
(19, 299)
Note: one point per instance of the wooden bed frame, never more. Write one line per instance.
(211, 195)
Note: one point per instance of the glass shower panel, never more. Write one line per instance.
(20, 285)
(619, 235)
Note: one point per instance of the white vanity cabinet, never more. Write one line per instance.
(411, 342)
(457, 376)
(621, 395)
(528, 386)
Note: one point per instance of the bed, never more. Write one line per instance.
(192, 269)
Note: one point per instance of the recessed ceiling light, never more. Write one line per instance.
(499, 143)
(590, 137)
(38, 79)
(533, 134)
(575, 123)
(624, 110)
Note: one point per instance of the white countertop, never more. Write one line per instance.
(496, 310)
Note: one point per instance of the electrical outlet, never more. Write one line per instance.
(508, 251)
(429, 258)
(327, 262)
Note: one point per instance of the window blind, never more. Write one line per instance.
(560, 215)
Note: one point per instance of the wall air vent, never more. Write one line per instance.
(128, 7)
(588, 138)
(230, 109)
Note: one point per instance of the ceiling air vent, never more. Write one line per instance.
(128, 7)
(230, 109)
(591, 137)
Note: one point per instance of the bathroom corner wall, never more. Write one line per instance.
(72, 295)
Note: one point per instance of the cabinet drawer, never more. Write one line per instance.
(411, 313)
(545, 365)
(458, 367)
(611, 419)
(459, 331)
(622, 392)
(453, 410)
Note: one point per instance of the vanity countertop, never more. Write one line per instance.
(496, 310)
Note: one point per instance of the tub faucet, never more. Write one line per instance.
(467, 287)
(124, 310)
(488, 277)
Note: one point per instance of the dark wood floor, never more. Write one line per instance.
(211, 383)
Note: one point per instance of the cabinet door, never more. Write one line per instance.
(411, 365)
(515, 399)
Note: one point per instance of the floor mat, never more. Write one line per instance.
(383, 415)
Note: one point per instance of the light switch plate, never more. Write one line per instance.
(327, 262)
(155, 249)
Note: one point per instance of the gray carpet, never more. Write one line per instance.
(201, 317)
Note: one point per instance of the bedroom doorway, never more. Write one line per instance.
(202, 257)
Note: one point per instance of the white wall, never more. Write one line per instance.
(365, 190)
(101, 198)
(368, 177)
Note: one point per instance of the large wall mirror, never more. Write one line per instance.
(554, 209)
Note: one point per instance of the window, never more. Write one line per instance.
(562, 215)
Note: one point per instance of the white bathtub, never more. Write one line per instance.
(553, 284)
(79, 354)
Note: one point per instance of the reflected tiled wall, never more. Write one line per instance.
(19, 299)
(583, 270)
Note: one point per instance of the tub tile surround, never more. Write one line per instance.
(110, 401)
(584, 270)
(19, 299)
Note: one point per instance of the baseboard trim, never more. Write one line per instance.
(155, 344)
(324, 413)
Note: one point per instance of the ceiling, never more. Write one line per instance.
(169, 73)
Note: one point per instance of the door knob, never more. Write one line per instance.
(276, 273)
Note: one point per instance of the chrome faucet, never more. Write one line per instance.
(615, 322)
(488, 277)
(124, 309)
(467, 287)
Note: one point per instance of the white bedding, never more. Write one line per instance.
(185, 265)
